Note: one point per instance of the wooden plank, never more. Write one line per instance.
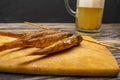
(87, 59)
(109, 33)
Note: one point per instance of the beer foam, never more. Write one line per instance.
(91, 3)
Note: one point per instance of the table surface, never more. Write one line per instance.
(110, 34)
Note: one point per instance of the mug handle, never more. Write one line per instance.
(69, 9)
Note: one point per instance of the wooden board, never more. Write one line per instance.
(88, 59)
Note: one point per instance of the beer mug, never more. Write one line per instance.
(88, 14)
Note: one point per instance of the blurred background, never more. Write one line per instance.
(13, 11)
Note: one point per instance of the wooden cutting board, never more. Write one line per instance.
(88, 59)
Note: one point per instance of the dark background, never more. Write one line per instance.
(49, 11)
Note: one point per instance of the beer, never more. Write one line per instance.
(88, 18)
(89, 15)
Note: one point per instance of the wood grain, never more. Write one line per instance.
(109, 34)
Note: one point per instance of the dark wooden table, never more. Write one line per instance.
(110, 34)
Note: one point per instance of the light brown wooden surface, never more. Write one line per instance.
(87, 59)
(109, 34)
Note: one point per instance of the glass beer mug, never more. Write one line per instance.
(88, 14)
